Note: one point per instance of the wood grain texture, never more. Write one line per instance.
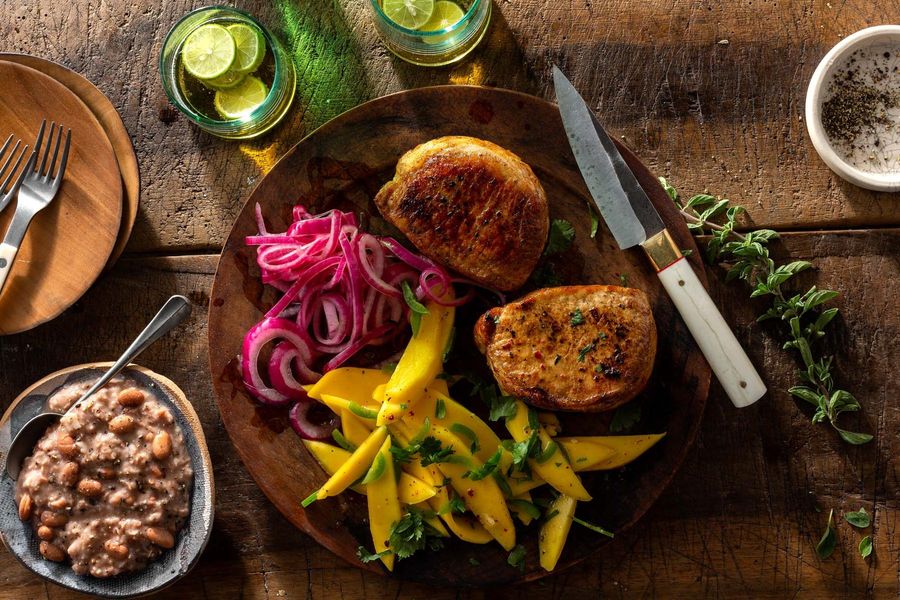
(341, 166)
(739, 520)
(711, 114)
(68, 242)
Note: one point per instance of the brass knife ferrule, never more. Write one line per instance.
(661, 250)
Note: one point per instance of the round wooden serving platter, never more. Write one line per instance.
(343, 164)
(115, 130)
(69, 242)
(190, 541)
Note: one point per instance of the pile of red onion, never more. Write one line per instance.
(341, 292)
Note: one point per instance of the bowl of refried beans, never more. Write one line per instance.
(116, 499)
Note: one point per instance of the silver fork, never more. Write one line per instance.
(38, 189)
(7, 194)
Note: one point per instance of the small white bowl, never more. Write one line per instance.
(872, 36)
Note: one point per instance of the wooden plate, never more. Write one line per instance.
(115, 130)
(190, 541)
(343, 164)
(68, 242)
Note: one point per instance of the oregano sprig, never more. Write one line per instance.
(805, 317)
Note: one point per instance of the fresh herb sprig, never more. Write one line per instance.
(747, 256)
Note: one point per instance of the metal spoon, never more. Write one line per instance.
(173, 312)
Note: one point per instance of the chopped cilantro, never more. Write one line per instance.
(474, 561)
(576, 317)
(454, 505)
(431, 452)
(486, 469)
(367, 557)
(584, 351)
(561, 235)
(462, 430)
(440, 409)
(517, 557)
(595, 224)
(412, 533)
(525, 507)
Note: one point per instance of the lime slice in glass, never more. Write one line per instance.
(208, 51)
(251, 47)
(242, 99)
(446, 14)
(411, 14)
(227, 81)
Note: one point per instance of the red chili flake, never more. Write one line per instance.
(470, 493)
(538, 355)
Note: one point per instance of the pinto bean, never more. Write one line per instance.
(52, 552)
(46, 533)
(116, 550)
(26, 507)
(121, 424)
(161, 537)
(68, 475)
(131, 397)
(65, 443)
(54, 519)
(162, 445)
(90, 488)
(58, 503)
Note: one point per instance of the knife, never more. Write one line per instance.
(633, 221)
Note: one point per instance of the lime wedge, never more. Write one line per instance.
(411, 14)
(242, 99)
(251, 47)
(446, 14)
(224, 82)
(208, 51)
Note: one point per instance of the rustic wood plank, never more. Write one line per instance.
(740, 519)
(727, 116)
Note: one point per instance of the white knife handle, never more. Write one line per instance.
(7, 256)
(717, 342)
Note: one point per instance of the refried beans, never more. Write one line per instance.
(108, 487)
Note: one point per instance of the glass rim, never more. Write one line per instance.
(418, 33)
(260, 111)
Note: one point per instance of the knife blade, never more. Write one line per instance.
(633, 220)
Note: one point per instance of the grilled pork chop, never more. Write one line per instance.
(472, 206)
(583, 348)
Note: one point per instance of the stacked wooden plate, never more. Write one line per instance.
(85, 229)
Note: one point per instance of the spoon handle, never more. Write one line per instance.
(173, 312)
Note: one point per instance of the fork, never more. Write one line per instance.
(37, 191)
(6, 196)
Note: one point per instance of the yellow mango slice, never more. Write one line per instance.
(355, 430)
(556, 470)
(355, 466)
(483, 497)
(412, 490)
(626, 448)
(555, 531)
(337, 405)
(419, 365)
(462, 526)
(384, 505)
(349, 383)
(455, 414)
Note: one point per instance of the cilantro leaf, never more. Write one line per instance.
(584, 351)
(367, 557)
(431, 451)
(411, 534)
(440, 409)
(561, 235)
(454, 505)
(576, 317)
(625, 417)
(595, 224)
(486, 469)
(516, 558)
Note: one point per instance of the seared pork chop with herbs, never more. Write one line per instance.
(584, 348)
(472, 206)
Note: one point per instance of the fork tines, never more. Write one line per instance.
(48, 174)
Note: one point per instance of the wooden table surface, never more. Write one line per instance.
(709, 94)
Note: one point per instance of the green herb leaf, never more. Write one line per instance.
(310, 499)
(431, 452)
(454, 505)
(365, 556)
(865, 546)
(548, 452)
(593, 527)
(389, 368)
(516, 558)
(859, 518)
(415, 322)
(826, 544)
(626, 417)
(474, 561)
(584, 351)
(412, 533)
(623, 279)
(411, 301)
(526, 507)
(561, 235)
(501, 407)
(451, 342)
(486, 469)
(851, 437)
(440, 409)
(595, 224)
(576, 318)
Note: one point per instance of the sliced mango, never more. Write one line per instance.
(626, 448)
(384, 505)
(355, 430)
(463, 526)
(349, 383)
(419, 365)
(556, 470)
(455, 414)
(554, 532)
(355, 466)
(412, 490)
